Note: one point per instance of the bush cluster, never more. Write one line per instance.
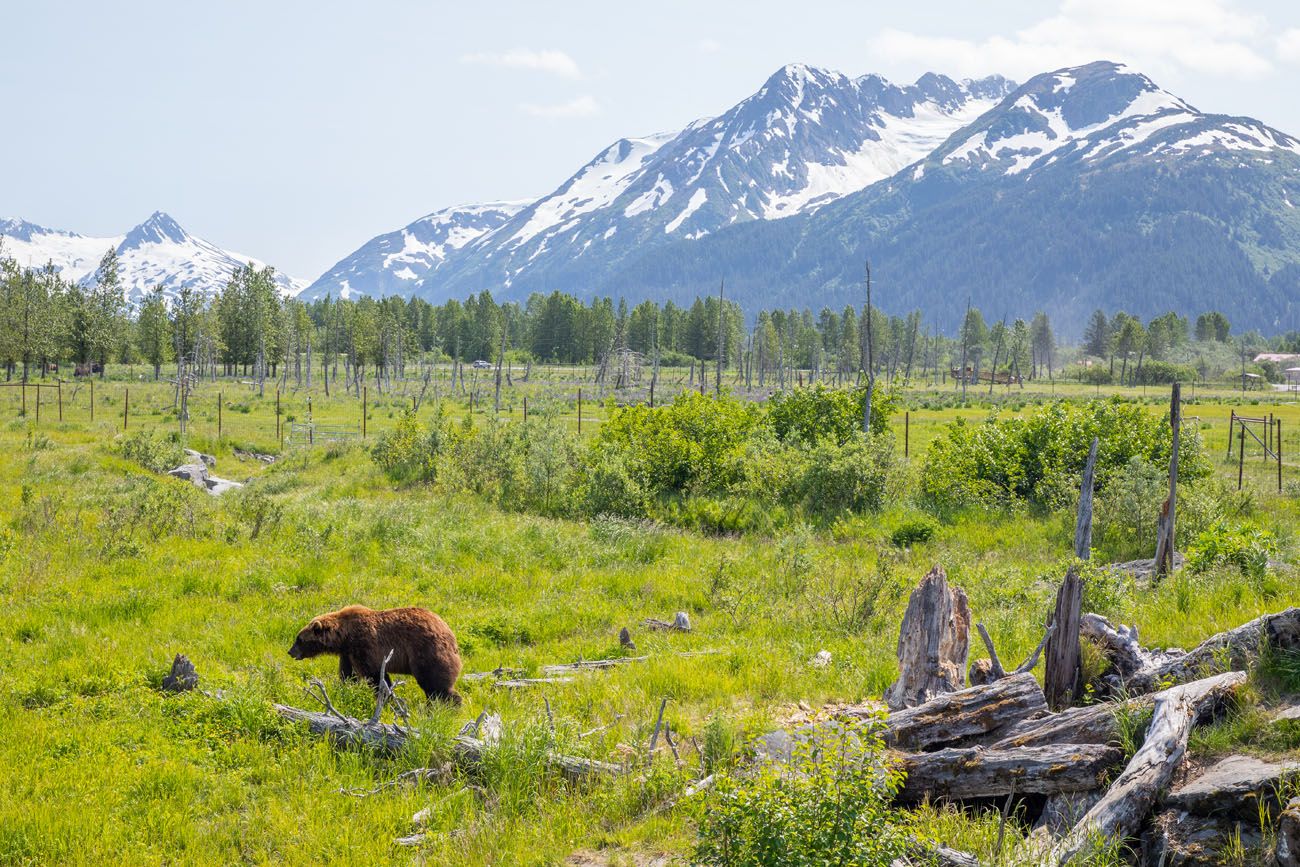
(714, 464)
(1038, 458)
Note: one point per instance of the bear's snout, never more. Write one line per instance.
(296, 651)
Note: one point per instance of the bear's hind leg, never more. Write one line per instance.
(436, 688)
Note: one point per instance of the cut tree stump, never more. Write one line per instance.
(933, 643)
(1120, 812)
(955, 716)
(976, 772)
(1061, 678)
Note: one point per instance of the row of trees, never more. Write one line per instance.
(250, 329)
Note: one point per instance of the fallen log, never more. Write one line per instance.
(591, 664)
(977, 772)
(1141, 670)
(1090, 724)
(933, 643)
(1121, 811)
(952, 717)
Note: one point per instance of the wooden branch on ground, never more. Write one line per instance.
(1142, 670)
(681, 623)
(591, 664)
(923, 852)
(976, 772)
(524, 682)
(993, 669)
(1121, 811)
(955, 716)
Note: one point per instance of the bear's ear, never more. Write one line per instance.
(316, 626)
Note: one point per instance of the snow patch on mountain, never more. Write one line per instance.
(72, 255)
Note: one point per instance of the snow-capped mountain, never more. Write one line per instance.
(807, 137)
(393, 263)
(158, 252)
(1086, 187)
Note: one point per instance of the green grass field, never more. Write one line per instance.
(108, 570)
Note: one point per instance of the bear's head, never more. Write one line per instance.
(315, 638)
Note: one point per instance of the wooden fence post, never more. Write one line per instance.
(218, 415)
(1166, 525)
(24, 391)
(126, 407)
(579, 409)
(525, 407)
(907, 432)
(38, 404)
(1083, 523)
(278, 438)
(59, 387)
(1232, 423)
(92, 400)
(1241, 451)
(365, 397)
(1279, 455)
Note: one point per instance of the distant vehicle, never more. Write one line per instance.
(482, 365)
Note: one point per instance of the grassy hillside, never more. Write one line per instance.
(109, 569)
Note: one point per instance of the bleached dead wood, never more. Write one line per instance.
(1090, 724)
(1061, 676)
(993, 670)
(933, 642)
(1142, 670)
(955, 716)
(976, 772)
(1120, 812)
(591, 664)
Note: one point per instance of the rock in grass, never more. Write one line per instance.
(195, 473)
(182, 677)
(200, 457)
(821, 660)
(1233, 786)
(1176, 837)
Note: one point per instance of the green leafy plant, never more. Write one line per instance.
(1246, 548)
(829, 805)
(912, 531)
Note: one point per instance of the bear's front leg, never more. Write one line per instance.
(345, 667)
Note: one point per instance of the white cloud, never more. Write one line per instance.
(582, 106)
(708, 45)
(1155, 36)
(554, 62)
(1288, 46)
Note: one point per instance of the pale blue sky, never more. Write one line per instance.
(295, 131)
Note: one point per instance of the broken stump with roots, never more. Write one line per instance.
(933, 643)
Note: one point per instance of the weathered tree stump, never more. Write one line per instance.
(1061, 679)
(1083, 522)
(182, 677)
(933, 643)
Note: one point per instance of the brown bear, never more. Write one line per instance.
(423, 646)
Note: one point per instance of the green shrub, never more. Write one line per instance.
(1246, 548)
(912, 531)
(1163, 373)
(152, 450)
(609, 489)
(1038, 458)
(409, 452)
(817, 413)
(696, 444)
(854, 477)
(831, 805)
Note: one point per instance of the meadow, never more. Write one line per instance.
(109, 569)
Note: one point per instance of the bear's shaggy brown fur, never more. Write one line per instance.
(423, 646)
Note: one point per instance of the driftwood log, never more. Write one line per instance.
(1090, 724)
(1120, 812)
(933, 643)
(1142, 670)
(949, 718)
(976, 772)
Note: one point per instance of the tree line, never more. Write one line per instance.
(250, 329)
